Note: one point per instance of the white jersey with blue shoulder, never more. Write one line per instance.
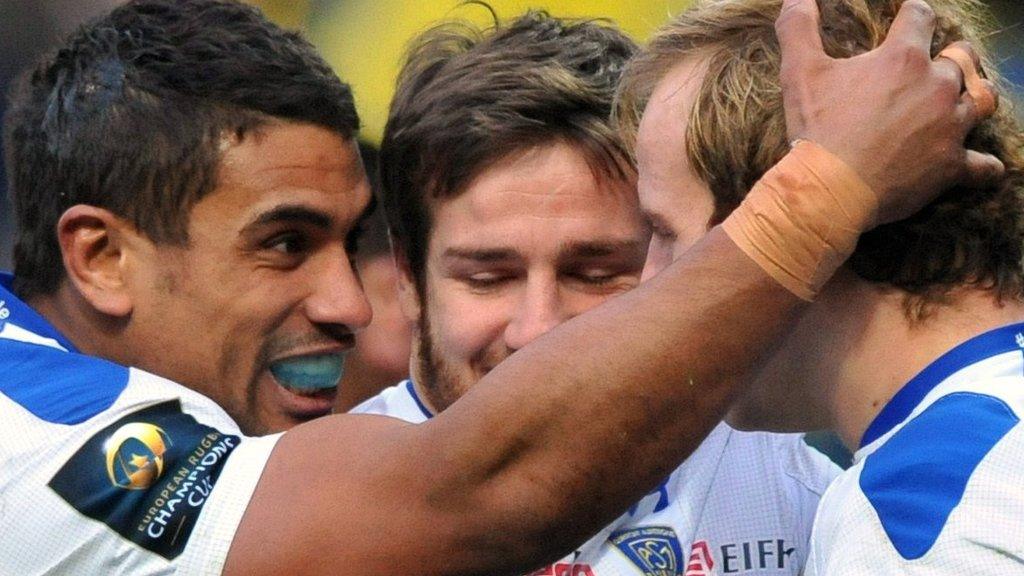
(937, 486)
(111, 470)
(743, 504)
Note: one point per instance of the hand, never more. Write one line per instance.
(894, 115)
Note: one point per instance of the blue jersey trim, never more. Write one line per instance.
(416, 398)
(23, 316)
(57, 386)
(987, 345)
(918, 477)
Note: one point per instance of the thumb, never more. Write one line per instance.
(798, 30)
(981, 169)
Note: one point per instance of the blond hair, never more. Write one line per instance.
(737, 131)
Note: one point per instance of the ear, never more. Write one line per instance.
(92, 242)
(408, 295)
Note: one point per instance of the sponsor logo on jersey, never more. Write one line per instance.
(701, 562)
(565, 569)
(758, 555)
(5, 313)
(655, 550)
(147, 476)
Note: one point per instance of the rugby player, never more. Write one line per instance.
(913, 351)
(187, 187)
(546, 227)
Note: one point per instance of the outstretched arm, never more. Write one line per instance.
(566, 433)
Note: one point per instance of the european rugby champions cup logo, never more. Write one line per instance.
(135, 455)
(131, 476)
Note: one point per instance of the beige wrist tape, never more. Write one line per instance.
(803, 218)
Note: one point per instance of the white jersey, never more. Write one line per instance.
(937, 486)
(743, 503)
(111, 470)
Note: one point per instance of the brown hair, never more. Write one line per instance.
(468, 97)
(737, 132)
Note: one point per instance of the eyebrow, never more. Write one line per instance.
(601, 248)
(481, 254)
(290, 213)
(578, 249)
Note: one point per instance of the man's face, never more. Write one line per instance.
(534, 240)
(679, 206)
(674, 200)
(258, 310)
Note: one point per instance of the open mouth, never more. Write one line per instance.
(309, 375)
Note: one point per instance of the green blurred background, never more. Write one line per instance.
(364, 39)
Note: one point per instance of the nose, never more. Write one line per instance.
(540, 308)
(659, 256)
(337, 296)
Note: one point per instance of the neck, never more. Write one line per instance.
(90, 331)
(891, 349)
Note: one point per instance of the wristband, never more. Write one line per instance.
(801, 221)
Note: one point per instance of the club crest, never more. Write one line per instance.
(653, 549)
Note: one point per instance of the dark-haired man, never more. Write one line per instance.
(912, 352)
(187, 187)
(547, 227)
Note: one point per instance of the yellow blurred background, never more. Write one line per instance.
(364, 39)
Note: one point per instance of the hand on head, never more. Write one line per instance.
(895, 115)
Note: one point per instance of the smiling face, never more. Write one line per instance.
(258, 310)
(532, 241)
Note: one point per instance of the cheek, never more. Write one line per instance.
(659, 256)
(463, 325)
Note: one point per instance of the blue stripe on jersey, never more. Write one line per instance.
(16, 312)
(919, 475)
(416, 398)
(987, 345)
(57, 386)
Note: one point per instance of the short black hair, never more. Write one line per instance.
(129, 114)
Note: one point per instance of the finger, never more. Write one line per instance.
(981, 170)
(983, 92)
(967, 49)
(913, 26)
(798, 29)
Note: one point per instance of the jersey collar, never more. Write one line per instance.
(17, 313)
(989, 344)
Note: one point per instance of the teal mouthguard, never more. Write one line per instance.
(310, 373)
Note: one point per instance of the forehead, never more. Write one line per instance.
(288, 163)
(550, 189)
(661, 136)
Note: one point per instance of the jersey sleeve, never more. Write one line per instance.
(222, 513)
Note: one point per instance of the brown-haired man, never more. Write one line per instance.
(913, 351)
(545, 227)
(187, 189)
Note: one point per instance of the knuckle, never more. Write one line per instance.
(949, 87)
(920, 10)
